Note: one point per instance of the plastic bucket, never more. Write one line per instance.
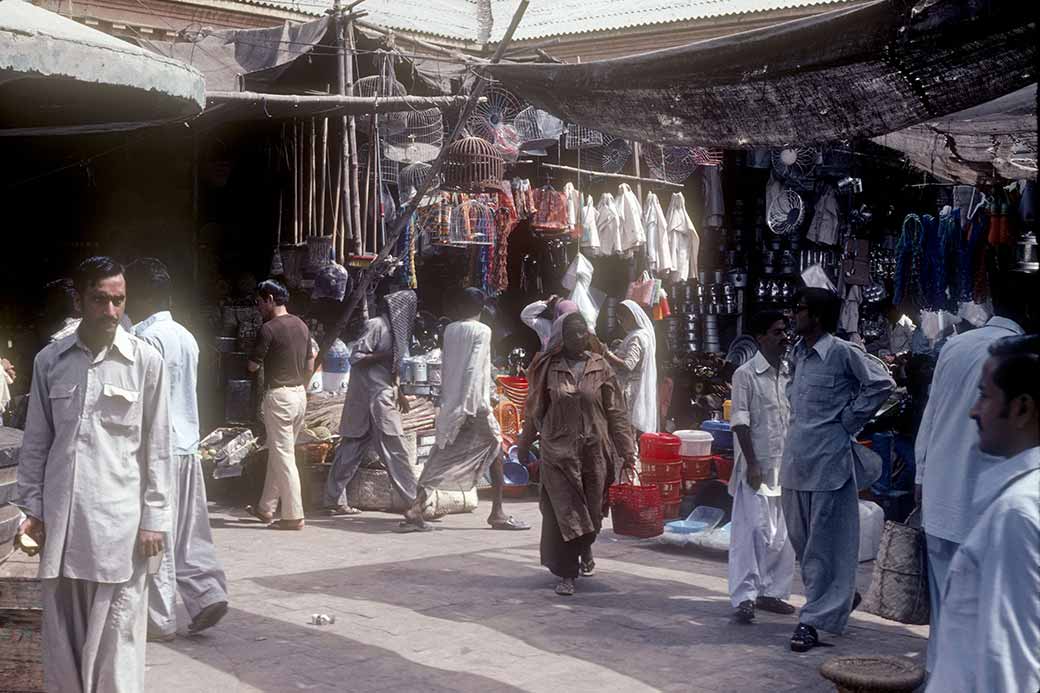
(694, 443)
(659, 446)
(697, 468)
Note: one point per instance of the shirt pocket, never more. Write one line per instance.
(118, 408)
(62, 402)
(819, 388)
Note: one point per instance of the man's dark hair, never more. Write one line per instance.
(269, 288)
(59, 299)
(471, 302)
(763, 320)
(149, 280)
(824, 305)
(92, 270)
(1018, 367)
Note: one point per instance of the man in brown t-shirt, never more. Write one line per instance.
(283, 347)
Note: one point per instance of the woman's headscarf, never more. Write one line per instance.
(643, 407)
(563, 309)
(538, 371)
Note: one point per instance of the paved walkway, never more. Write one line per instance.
(469, 609)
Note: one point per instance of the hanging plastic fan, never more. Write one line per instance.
(379, 86)
(742, 350)
(492, 120)
(538, 130)
(613, 155)
(579, 137)
(785, 213)
(703, 156)
(794, 162)
(670, 163)
(420, 139)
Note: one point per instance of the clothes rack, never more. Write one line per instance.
(619, 176)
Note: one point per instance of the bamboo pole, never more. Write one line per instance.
(435, 169)
(324, 145)
(315, 229)
(352, 151)
(618, 176)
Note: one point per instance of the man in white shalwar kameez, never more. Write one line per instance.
(190, 565)
(93, 481)
(469, 440)
(761, 558)
(988, 639)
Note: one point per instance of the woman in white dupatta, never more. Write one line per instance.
(636, 364)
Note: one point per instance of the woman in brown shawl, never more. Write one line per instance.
(577, 407)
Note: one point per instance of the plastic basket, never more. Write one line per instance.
(659, 446)
(636, 510)
(671, 511)
(697, 468)
(723, 467)
(656, 471)
(671, 491)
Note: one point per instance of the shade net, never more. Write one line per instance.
(860, 71)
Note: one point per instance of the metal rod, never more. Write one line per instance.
(357, 105)
(435, 169)
(619, 176)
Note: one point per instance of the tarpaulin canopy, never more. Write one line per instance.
(57, 75)
(862, 71)
(995, 139)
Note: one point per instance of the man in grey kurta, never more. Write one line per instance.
(834, 391)
(371, 418)
(93, 480)
(190, 565)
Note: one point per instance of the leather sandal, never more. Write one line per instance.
(774, 606)
(805, 638)
(745, 612)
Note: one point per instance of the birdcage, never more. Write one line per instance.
(420, 139)
(580, 137)
(380, 86)
(472, 223)
(433, 221)
(412, 176)
(473, 164)
(389, 170)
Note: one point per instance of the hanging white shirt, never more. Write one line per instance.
(658, 243)
(608, 222)
(633, 234)
(988, 636)
(589, 229)
(683, 235)
(946, 452)
(575, 210)
(578, 278)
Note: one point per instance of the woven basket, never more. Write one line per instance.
(636, 510)
(873, 674)
(899, 588)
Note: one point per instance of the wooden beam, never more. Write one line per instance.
(619, 176)
(342, 104)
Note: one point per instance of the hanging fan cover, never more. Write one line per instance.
(579, 137)
(785, 213)
(497, 108)
(794, 162)
(614, 154)
(670, 163)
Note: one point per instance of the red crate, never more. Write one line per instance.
(671, 510)
(723, 467)
(661, 470)
(659, 446)
(697, 468)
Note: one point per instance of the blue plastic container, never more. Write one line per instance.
(721, 433)
(515, 474)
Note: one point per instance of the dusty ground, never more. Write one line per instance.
(469, 609)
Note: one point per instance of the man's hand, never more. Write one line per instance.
(402, 403)
(149, 543)
(9, 369)
(34, 529)
(754, 474)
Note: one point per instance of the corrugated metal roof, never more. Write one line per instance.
(457, 19)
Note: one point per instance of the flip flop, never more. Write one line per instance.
(251, 509)
(341, 511)
(284, 525)
(409, 528)
(510, 525)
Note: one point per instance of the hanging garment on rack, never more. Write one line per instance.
(550, 212)
(608, 222)
(506, 219)
(578, 278)
(949, 290)
(825, 224)
(933, 268)
(973, 280)
(575, 210)
(633, 234)
(589, 229)
(523, 199)
(683, 236)
(659, 253)
(909, 255)
(714, 202)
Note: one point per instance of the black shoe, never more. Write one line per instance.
(804, 638)
(774, 606)
(208, 617)
(745, 612)
(856, 600)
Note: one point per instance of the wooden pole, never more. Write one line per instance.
(324, 145)
(435, 169)
(639, 173)
(315, 228)
(618, 176)
(352, 178)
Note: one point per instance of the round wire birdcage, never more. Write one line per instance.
(538, 130)
(412, 175)
(472, 223)
(381, 86)
(389, 170)
(420, 138)
(432, 220)
(473, 163)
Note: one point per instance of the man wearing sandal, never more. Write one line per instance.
(283, 347)
(761, 560)
(834, 391)
(468, 435)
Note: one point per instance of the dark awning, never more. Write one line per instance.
(853, 72)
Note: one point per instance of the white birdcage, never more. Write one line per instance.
(380, 86)
(472, 223)
(579, 137)
(419, 139)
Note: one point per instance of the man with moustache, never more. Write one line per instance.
(93, 481)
